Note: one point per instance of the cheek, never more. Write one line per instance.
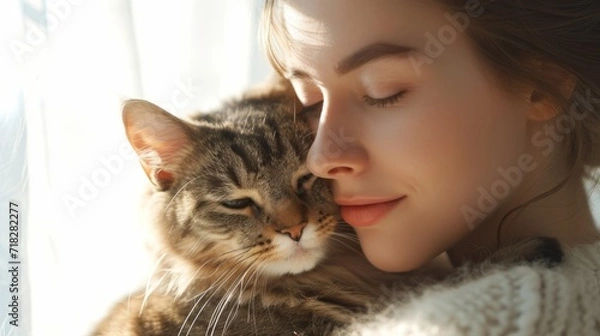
(487, 135)
(444, 154)
(454, 141)
(467, 124)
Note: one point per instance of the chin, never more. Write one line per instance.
(393, 263)
(295, 263)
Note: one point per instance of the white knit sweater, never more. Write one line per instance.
(520, 300)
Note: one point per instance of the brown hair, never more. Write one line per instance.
(514, 37)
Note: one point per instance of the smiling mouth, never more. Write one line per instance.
(367, 213)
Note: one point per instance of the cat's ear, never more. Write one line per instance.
(160, 140)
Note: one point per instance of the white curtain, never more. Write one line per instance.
(66, 68)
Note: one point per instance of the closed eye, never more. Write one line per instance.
(384, 102)
(304, 183)
(237, 204)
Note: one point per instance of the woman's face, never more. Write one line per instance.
(410, 125)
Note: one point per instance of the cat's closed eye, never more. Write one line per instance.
(240, 203)
(304, 183)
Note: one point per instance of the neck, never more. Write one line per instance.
(563, 214)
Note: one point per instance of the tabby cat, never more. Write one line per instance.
(248, 241)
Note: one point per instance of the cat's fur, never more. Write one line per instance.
(248, 242)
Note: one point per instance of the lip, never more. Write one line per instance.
(364, 201)
(364, 213)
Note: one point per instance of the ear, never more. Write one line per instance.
(160, 140)
(544, 108)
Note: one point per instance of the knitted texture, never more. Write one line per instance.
(517, 300)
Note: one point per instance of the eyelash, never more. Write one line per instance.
(384, 102)
(376, 102)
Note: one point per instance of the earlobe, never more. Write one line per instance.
(543, 107)
(159, 139)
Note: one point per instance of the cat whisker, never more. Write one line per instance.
(239, 283)
(191, 278)
(346, 236)
(218, 283)
(257, 274)
(225, 299)
(179, 191)
(354, 250)
(253, 295)
(226, 276)
(183, 324)
(350, 242)
(245, 248)
(257, 271)
(213, 323)
(149, 289)
(151, 286)
(310, 135)
(216, 270)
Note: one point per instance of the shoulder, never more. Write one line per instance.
(519, 300)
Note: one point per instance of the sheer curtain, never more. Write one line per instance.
(66, 67)
(70, 64)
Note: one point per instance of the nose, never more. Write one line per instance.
(295, 232)
(337, 150)
(290, 218)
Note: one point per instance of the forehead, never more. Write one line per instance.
(330, 30)
(259, 138)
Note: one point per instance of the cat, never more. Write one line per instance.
(248, 241)
(242, 227)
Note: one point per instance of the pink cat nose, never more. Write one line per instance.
(295, 232)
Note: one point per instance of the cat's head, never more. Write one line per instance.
(231, 188)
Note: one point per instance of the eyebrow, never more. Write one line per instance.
(370, 53)
(361, 57)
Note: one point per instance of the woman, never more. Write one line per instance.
(457, 127)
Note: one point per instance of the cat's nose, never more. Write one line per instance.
(295, 232)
